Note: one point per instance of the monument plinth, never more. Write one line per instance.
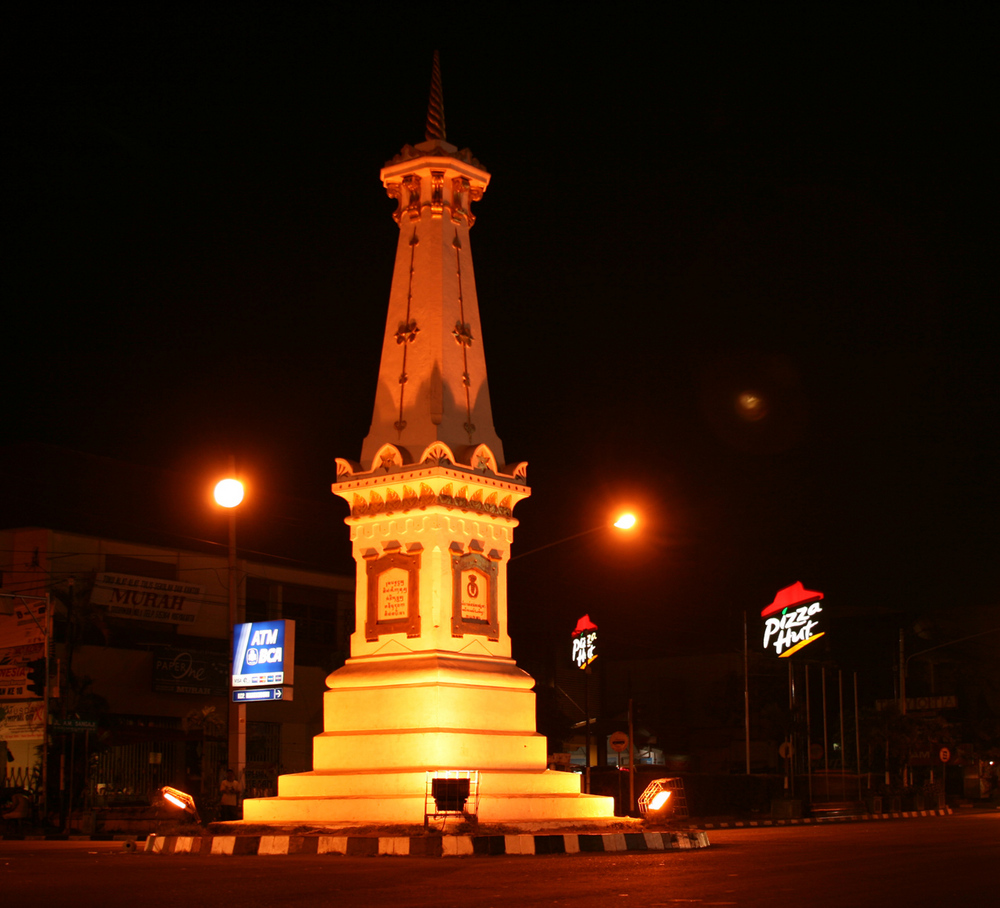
(430, 688)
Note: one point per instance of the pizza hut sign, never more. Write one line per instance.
(794, 620)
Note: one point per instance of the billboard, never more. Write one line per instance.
(25, 625)
(22, 721)
(263, 653)
(147, 598)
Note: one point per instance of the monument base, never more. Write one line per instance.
(403, 798)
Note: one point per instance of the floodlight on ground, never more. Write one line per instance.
(654, 802)
(180, 799)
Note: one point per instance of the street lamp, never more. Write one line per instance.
(229, 494)
(626, 521)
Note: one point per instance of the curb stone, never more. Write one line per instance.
(429, 846)
(822, 821)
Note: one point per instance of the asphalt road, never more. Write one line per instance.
(915, 862)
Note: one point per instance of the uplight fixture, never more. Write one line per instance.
(180, 799)
(656, 802)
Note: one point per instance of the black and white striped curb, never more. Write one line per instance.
(818, 821)
(428, 846)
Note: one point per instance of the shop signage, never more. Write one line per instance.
(263, 653)
(147, 599)
(920, 704)
(584, 642)
(186, 671)
(71, 725)
(14, 682)
(793, 620)
(22, 721)
(25, 625)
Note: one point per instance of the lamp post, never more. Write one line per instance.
(229, 495)
(625, 521)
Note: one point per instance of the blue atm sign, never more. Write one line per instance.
(263, 654)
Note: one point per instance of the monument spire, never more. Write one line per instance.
(432, 384)
(434, 131)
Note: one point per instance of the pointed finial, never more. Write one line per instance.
(434, 131)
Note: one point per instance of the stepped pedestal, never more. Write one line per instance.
(392, 720)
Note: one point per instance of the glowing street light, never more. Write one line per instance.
(228, 493)
(625, 521)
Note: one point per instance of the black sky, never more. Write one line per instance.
(798, 204)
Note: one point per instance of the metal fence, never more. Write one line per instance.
(22, 777)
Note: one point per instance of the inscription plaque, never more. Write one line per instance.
(393, 596)
(474, 600)
(475, 587)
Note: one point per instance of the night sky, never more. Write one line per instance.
(798, 206)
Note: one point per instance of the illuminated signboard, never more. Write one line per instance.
(584, 642)
(794, 620)
(263, 654)
(255, 694)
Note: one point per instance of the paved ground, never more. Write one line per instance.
(916, 862)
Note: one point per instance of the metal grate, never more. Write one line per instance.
(677, 806)
(451, 792)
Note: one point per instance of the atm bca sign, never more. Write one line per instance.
(263, 653)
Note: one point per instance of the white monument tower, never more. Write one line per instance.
(430, 689)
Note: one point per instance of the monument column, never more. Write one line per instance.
(430, 686)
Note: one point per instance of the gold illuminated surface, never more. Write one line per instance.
(431, 687)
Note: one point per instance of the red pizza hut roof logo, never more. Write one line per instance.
(792, 620)
(584, 642)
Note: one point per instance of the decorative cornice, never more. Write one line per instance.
(409, 152)
(394, 486)
(370, 503)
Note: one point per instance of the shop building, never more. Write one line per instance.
(139, 660)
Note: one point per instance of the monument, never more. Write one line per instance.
(430, 691)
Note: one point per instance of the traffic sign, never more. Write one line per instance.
(618, 741)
